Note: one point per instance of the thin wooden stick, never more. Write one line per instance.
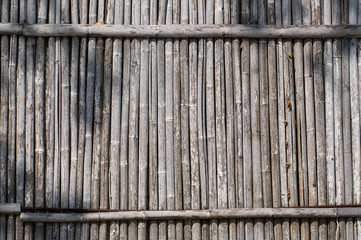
(74, 78)
(11, 170)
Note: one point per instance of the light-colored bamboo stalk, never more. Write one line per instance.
(74, 78)
(11, 170)
(289, 212)
(113, 70)
(169, 138)
(210, 113)
(123, 231)
(89, 117)
(10, 208)
(133, 120)
(20, 124)
(29, 131)
(359, 94)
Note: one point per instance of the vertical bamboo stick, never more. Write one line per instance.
(184, 80)
(20, 123)
(4, 110)
(133, 120)
(74, 78)
(355, 116)
(177, 123)
(339, 158)
(97, 130)
(359, 94)
(273, 116)
(246, 109)
(83, 17)
(193, 123)
(124, 126)
(50, 119)
(29, 130)
(65, 117)
(169, 138)
(143, 120)
(162, 192)
(89, 116)
(11, 171)
(114, 69)
(210, 113)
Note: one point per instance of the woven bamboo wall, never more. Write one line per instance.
(189, 123)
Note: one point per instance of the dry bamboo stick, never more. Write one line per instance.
(210, 113)
(289, 212)
(11, 171)
(83, 8)
(74, 78)
(359, 93)
(153, 119)
(29, 131)
(355, 117)
(10, 208)
(113, 71)
(169, 138)
(143, 121)
(162, 181)
(64, 116)
(4, 110)
(133, 120)
(89, 116)
(123, 231)
(181, 31)
(177, 123)
(193, 123)
(20, 124)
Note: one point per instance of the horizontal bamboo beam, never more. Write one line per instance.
(194, 214)
(10, 208)
(180, 31)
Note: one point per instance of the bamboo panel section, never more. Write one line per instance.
(223, 117)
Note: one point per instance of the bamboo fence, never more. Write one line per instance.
(177, 119)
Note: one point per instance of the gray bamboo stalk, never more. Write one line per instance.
(83, 17)
(11, 171)
(20, 123)
(184, 94)
(4, 110)
(133, 120)
(89, 117)
(143, 120)
(123, 231)
(210, 113)
(113, 71)
(355, 116)
(177, 123)
(169, 137)
(29, 130)
(74, 78)
(64, 100)
(359, 94)
(50, 119)
(153, 120)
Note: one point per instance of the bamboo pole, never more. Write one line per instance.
(153, 117)
(113, 70)
(289, 212)
(20, 124)
(10, 208)
(210, 113)
(133, 120)
(169, 138)
(181, 31)
(89, 117)
(124, 203)
(339, 157)
(29, 131)
(83, 17)
(74, 78)
(11, 171)
(359, 74)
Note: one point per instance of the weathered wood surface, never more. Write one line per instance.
(181, 30)
(205, 105)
